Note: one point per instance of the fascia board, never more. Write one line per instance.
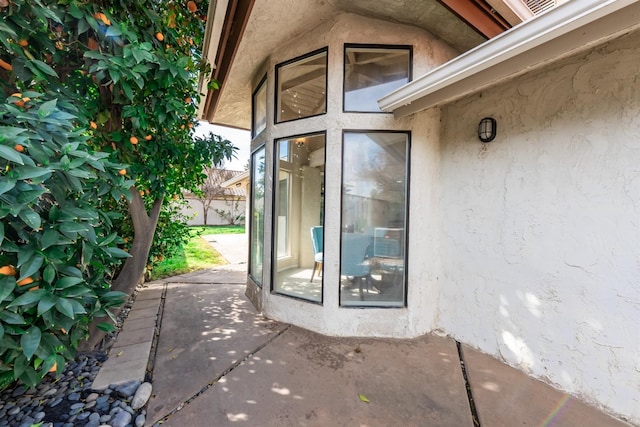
(213, 32)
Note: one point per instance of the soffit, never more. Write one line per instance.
(273, 23)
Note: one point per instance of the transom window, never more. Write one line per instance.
(371, 72)
(259, 110)
(302, 87)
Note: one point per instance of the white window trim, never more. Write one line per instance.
(554, 34)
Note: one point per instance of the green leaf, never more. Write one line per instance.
(30, 341)
(106, 327)
(45, 69)
(7, 288)
(72, 227)
(67, 282)
(76, 291)
(64, 306)
(7, 29)
(113, 31)
(31, 218)
(27, 298)
(50, 238)
(363, 398)
(10, 154)
(46, 303)
(11, 318)
(117, 253)
(30, 377)
(6, 185)
(49, 273)
(1, 331)
(48, 107)
(83, 26)
(30, 267)
(20, 366)
(29, 172)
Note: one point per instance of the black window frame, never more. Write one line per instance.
(276, 114)
(371, 46)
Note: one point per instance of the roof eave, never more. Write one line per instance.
(549, 36)
(225, 27)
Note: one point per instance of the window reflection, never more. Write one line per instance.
(302, 87)
(298, 229)
(260, 108)
(257, 215)
(373, 72)
(374, 228)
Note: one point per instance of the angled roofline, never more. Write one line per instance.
(228, 20)
(560, 31)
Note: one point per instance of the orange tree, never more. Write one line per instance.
(125, 74)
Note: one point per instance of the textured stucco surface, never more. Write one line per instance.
(419, 317)
(540, 236)
(275, 23)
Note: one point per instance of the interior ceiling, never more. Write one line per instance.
(265, 32)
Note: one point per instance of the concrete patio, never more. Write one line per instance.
(215, 361)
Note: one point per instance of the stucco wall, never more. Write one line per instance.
(540, 238)
(194, 211)
(419, 317)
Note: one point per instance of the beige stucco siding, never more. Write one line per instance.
(428, 52)
(540, 232)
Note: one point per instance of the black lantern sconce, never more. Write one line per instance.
(487, 129)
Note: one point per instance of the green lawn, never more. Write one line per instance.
(197, 254)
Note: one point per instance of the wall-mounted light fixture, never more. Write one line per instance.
(487, 129)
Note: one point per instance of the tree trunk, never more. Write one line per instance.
(132, 273)
(205, 210)
(144, 228)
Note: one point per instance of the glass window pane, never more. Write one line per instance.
(374, 212)
(256, 247)
(298, 228)
(371, 73)
(302, 87)
(260, 109)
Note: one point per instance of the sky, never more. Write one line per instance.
(239, 138)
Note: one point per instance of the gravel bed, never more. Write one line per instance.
(69, 401)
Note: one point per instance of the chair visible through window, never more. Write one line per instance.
(316, 241)
(356, 249)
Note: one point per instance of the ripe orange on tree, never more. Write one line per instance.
(19, 148)
(191, 5)
(147, 138)
(8, 270)
(25, 281)
(122, 172)
(159, 36)
(23, 43)
(93, 125)
(133, 140)
(5, 65)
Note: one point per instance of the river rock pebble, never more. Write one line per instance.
(69, 400)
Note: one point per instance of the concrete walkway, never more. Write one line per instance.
(217, 362)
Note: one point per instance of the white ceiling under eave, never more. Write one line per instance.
(273, 23)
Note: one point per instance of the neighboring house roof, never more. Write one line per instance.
(238, 181)
(217, 178)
